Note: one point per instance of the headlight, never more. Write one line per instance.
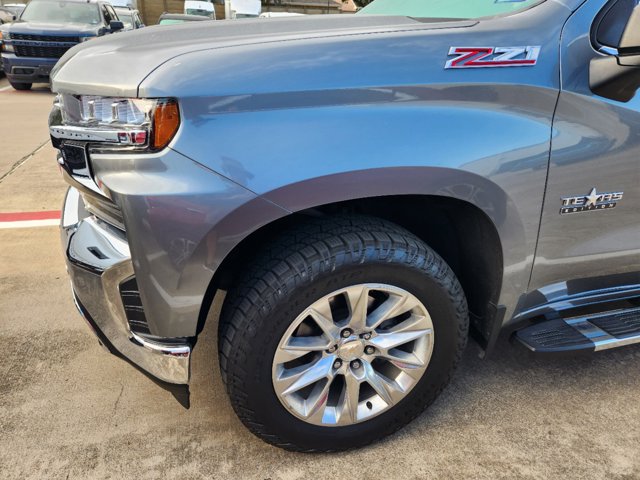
(3, 45)
(137, 122)
(84, 39)
(94, 110)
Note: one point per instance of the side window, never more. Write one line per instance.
(611, 22)
(112, 12)
(107, 16)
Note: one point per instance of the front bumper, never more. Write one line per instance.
(98, 261)
(27, 69)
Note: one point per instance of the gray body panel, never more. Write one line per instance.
(180, 219)
(290, 114)
(141, 52)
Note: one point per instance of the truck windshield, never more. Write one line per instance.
(61, 12)
(459, 9)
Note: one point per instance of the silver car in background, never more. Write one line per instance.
(129, 17)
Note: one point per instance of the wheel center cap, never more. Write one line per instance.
(351, 349)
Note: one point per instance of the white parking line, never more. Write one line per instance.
(30, 224)
(2, 89)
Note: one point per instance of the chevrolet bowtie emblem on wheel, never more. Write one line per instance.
(592, 201)
(487, 57)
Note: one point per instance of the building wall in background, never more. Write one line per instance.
(309, 6)
(152, 9)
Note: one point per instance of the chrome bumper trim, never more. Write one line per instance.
(70, 216)
(118, 136)
(98, 260)
(161, 348)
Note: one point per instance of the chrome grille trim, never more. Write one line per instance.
(104, 209)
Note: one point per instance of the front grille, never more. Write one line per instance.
(40, 52)
(43, 38)
(133, 306)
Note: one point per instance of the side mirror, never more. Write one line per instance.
(616, 75)
(630, 39)
(116, 25)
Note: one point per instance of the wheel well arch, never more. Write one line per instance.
(476, 255)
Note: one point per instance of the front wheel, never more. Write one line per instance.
(21, 86)
(344, 331)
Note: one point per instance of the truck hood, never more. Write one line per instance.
(116, 65)
(61, 29)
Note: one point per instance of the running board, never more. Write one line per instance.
(589, 333)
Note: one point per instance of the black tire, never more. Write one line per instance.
(304, 264)
(21, 86)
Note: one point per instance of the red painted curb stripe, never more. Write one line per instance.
(20, 216)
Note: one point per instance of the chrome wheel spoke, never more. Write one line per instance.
(316, 404)
(382, 387)
(284, 355)
(414, 322)
(304, 376)
(358, 302)
(349, 401)
(325, 322)
(401, 359)
(300, 346)
(394, 306)
(387, 341)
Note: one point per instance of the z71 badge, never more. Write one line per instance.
(486, 57)
(593, 201)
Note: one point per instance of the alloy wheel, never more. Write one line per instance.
(353, 354)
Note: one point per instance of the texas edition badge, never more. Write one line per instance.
(592, 201)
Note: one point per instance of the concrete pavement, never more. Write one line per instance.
(26, 115)
(69, 410)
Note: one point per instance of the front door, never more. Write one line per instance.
(590, 231)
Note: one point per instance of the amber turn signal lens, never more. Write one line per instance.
(166, 121)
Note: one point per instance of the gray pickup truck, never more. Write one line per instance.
(46, 29)
(368, 191)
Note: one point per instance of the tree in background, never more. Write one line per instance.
(362, 3)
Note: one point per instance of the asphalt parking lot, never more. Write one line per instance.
(69, 410)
